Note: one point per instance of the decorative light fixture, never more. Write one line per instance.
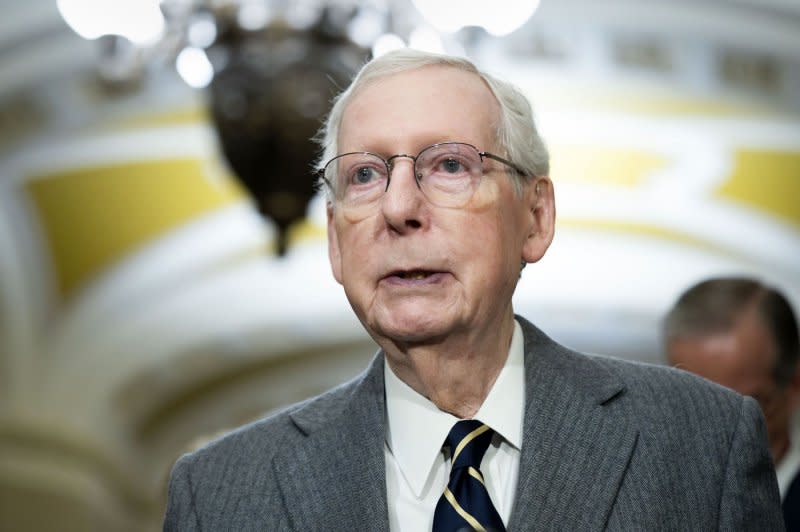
(139, 21)
(499, 18)
(269, 98)
(194, 67)
(270, 68)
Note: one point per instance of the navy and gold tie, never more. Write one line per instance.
(465, 504)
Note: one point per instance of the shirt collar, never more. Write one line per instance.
(416, 428)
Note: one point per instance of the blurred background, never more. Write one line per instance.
(163, 266)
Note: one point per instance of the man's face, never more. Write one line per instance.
(415, 272)
(742, 359)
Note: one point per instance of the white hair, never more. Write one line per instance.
(516, 130)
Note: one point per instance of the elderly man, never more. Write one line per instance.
(744, 335)
(469, 417)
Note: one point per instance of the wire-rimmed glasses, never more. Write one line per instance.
(447, 173)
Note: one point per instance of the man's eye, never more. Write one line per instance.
(452, 166)
(364, 175)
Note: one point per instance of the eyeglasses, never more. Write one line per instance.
(447, 173)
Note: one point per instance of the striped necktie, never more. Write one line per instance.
(465, 504)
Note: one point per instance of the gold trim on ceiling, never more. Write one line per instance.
(94, 216)
(579, 163)
(766, 180)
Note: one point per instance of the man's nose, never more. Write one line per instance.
(405, 161)
(401, 203)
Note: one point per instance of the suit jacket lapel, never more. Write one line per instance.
(577, 439)
(341, 458)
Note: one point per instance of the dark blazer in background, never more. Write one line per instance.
(607, 445)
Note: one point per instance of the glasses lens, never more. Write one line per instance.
(359, 177)
(448, 173)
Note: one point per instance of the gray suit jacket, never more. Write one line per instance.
(607, 445)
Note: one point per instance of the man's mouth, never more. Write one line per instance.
(412, 275)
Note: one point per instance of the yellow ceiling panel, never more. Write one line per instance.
(767, 180)
(172, 117)
(96, 215)
(608, 166)
(648, 230)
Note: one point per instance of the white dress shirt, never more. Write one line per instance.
(416, 468)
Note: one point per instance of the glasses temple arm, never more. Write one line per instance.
(504, 161)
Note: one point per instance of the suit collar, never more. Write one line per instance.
(416, 427)
(577, 441)
(577, 438)
(340, 455)
(364, 393)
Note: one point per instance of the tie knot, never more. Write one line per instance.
(468, 441)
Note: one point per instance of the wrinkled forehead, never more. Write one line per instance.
(449, 97)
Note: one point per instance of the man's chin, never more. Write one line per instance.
(413, 330)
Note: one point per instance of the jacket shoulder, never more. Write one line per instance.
(642, 387)
(260, 439)
(663, 386)
(230, 480)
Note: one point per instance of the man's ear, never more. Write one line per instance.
(334, 253)
(541, 201)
